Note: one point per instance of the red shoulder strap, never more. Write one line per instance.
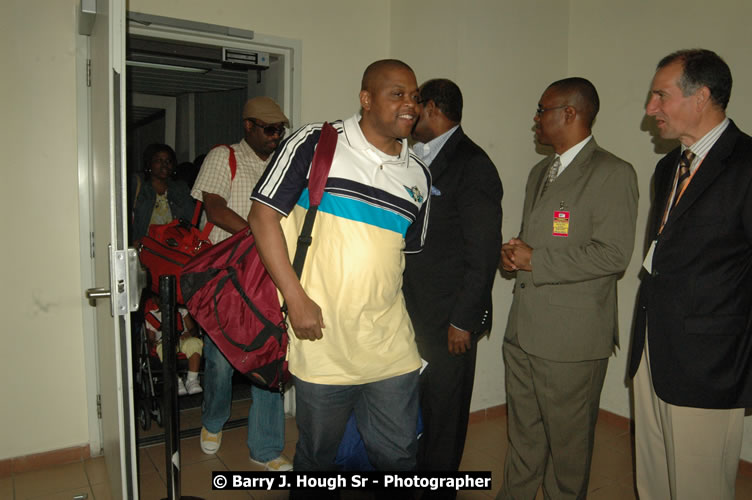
(199, 205)
(322, 162)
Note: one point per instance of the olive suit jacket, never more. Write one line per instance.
(697, 303)
(566, 308)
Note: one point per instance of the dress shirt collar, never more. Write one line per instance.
(429, 150)
(567, 156)
(703, 146)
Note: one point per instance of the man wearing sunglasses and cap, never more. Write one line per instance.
(227, 203)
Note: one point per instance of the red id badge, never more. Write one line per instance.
(561, 223)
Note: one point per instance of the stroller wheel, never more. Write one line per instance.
(144, 415)
(157, 411)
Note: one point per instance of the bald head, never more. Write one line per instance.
(376, 70)
(580, 94)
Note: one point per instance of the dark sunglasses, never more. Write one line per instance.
(269, 130)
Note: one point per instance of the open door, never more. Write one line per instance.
(114, 264)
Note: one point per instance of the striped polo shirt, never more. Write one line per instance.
(374, 208)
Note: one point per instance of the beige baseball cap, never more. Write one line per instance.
(264, 109)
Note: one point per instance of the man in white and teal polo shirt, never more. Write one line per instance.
(353, 347)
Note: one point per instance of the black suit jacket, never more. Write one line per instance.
(450, 281)
(697, 303)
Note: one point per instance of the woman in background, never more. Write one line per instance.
(159, 197)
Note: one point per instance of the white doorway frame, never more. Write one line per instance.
(289, 50)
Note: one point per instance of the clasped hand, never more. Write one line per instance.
(516, 255)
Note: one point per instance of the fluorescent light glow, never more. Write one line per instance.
(170, 67)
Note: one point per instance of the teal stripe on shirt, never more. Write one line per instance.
(359, 211)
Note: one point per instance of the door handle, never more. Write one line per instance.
(97, 293)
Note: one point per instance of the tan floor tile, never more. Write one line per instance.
(145, 463)
(151, 486)
(743, 487)
(487, 435)
(154, 460)
(238, 462)
(63, 495)
(51, 480)
(479, 460)
(598, 481)
(611, 464)
(198, 476)
(6, 487)
(96, 470)
(190, 451)
(622, 490)
(102, 491)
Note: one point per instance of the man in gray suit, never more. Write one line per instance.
(577, 236)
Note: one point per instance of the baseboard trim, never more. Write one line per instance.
(745, 468)
(27, 463)
(74, 454)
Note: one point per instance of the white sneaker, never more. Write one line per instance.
(209, 441)
(181, 387)
(193, 386)
(279, 464)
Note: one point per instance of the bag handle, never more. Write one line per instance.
(199, 204)
(322, 162)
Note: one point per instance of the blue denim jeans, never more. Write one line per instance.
(386, 412)
(266, 417)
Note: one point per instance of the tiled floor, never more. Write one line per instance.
(611, 477)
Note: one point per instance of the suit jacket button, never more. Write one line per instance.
(656, 273)
(522, 285)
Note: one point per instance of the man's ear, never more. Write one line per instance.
(247, 125)
(365, 100)
(570, 113)
(702, 97)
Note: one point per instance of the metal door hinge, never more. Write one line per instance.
(99, 406)
(88, 72)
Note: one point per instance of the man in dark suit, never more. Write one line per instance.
(448, 285)
(578, 227)
(693, 374)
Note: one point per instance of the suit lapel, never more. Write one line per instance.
(570, 175)
(710, 168)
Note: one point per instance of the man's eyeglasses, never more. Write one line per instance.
(269, 130)
(542, 110)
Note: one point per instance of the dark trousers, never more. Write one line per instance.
(446, 388)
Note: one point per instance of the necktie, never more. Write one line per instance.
(553, 171)
(683, 180)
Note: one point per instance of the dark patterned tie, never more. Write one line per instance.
(683, 180)
(553, 172)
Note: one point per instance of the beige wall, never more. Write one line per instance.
(501, 53)
(43, 387)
